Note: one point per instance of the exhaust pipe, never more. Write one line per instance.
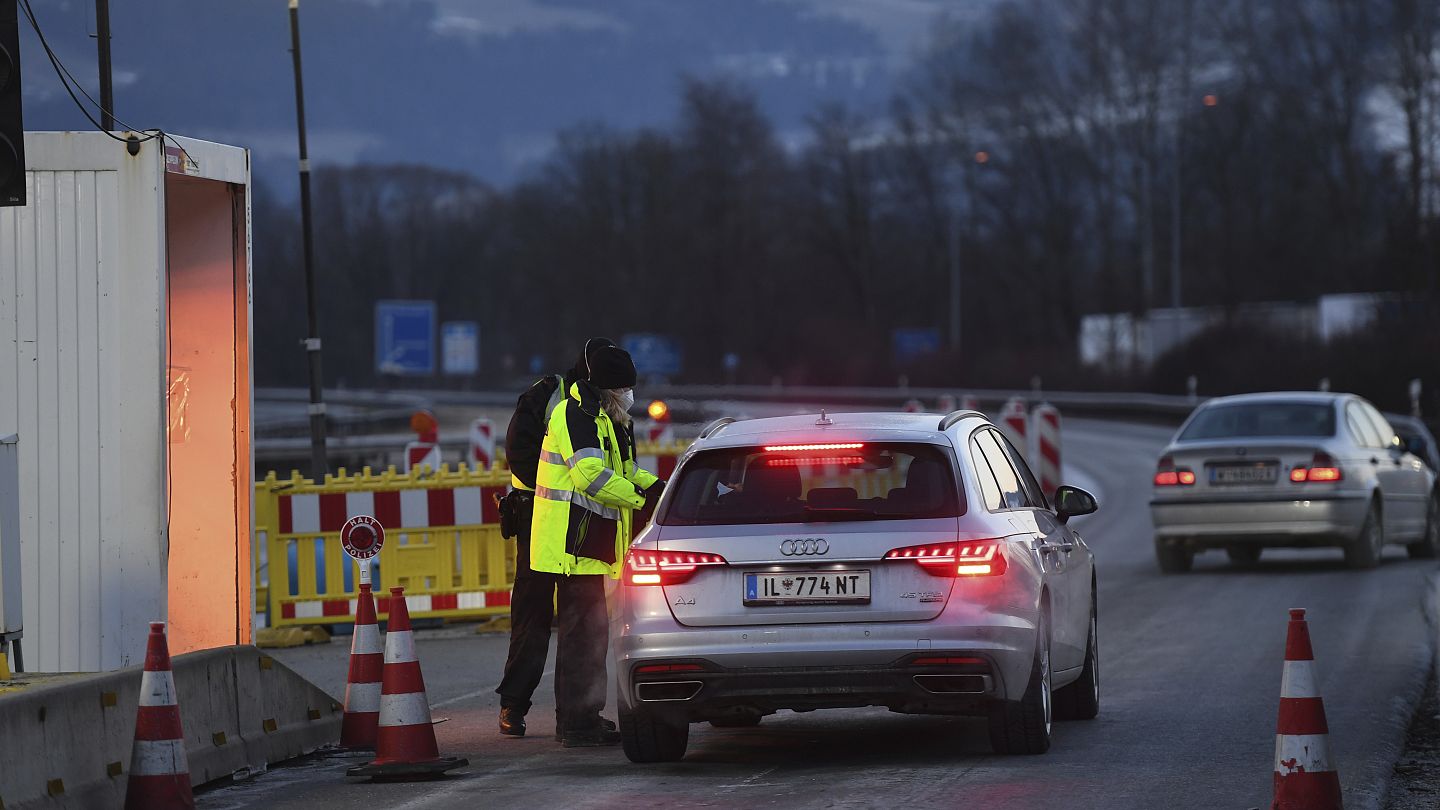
(667, 691)
(954, 684)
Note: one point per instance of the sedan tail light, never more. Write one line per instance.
(1322, 469)
(973, 558)
(666, 567)
(1168, 475)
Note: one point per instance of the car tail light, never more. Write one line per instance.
(974, 558)
(1322, 469)
(666, 567)
(1168, 475)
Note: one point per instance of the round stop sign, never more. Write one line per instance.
(362, 536)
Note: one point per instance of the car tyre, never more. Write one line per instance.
(1364, 551)
(1081, 699)
(647, 737)
(1173, 558)
(1244, 555)
(1428, 547)
(1023, 726)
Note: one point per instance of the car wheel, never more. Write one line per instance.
(1023, 726)
(1173, 558)
(1429, 546)
(1364, 550)
(649, 738)
(1244, 555)
(1081, 699)
(737, 721)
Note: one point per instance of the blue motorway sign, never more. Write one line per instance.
(460, 347)
(654, 355)
(405, 337)
(910, 344)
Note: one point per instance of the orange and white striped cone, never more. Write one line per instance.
(405, 745)
(362, 687)
(159, 769)
(1305, 776)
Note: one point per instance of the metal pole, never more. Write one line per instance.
(1175, 216)
(318, 464)
(107, 89)
(955, 281)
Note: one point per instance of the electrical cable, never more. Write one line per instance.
(66, 77)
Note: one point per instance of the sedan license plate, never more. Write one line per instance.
(1244, 474)
(808, 588)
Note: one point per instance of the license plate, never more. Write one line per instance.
(1249, 474)
(808, 588)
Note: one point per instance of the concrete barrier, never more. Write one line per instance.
(65, 741)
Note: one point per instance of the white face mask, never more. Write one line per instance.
(627, 398)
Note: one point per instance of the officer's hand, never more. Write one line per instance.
(652, 492)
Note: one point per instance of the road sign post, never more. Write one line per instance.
(362, 537)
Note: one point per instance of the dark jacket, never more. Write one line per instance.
(527, 428)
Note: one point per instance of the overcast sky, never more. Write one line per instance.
(478, 85)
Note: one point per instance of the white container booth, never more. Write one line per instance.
(125, 370)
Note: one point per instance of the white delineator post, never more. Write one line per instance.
(1045, 425)
(422, 454)
(482, 443)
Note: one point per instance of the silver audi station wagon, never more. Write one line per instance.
(909, 561)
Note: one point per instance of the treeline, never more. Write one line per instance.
(1066, 155)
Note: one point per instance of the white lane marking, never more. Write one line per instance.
(478, 692)
(434, 796)
(751, 781)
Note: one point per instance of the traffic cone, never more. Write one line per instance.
(159, 770)
(362, 687)
(405, 738)
(1305, 777)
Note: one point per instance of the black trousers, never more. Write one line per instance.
(584, 625)
(532, 610)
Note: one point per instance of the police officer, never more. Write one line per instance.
(587, 487)
(532, 600)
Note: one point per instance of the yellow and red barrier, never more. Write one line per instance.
(443, 543)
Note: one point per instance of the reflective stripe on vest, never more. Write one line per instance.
(579, 499)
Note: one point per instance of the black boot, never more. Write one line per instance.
(512, 723)
(608, 725)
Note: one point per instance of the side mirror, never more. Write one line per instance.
(1073, 502)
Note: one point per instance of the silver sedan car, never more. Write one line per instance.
(1290, 469)
(909, 561)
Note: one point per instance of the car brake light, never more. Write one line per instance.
(975, 558)
(823, 461)
(1323, 469)
(1168, 475)
(787, 448)
(666, 567)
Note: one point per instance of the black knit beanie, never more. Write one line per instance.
(611, 367)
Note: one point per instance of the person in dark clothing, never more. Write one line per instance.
(532, 600)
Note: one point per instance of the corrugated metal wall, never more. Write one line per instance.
(75, 299)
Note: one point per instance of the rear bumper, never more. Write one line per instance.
(1320, 520)
(901, 686)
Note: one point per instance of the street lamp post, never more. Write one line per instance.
(956, 231)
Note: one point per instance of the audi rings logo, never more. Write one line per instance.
(804, 546)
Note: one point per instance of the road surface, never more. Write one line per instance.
(1190, 677)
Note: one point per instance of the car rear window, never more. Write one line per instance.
(1250, 419)
(847, 482)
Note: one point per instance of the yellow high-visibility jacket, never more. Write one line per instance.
(586, 488)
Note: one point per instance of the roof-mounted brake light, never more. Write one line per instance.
(800, 448)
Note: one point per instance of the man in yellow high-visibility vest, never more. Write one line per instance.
(587, 486)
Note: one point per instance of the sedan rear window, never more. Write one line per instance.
(811, 483)
(1243, 420)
